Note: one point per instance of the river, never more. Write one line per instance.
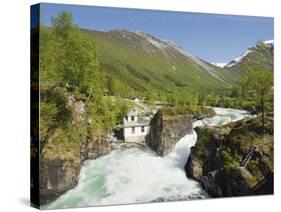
(138, 175)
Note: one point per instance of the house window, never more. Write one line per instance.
(142, 129)
(133, 118)
(133, 130)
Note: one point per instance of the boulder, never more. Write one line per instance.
(166, 132)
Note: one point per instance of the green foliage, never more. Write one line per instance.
(48, 120)
(105, 113)
(69, 56)
(53, 110)
(63, 24)
(62, 143)
(60, 135)
(151, 97)
(129, 63)
(204, 143)
(255, 84)
(230, 160)
(258, 81)
(204, 111)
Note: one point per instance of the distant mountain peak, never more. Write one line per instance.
(221, 65)
(268, 43)
(238, 59)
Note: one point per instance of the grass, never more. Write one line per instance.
(141, 70)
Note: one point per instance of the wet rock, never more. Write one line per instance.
(215, 161)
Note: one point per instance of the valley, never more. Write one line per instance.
(90, 80)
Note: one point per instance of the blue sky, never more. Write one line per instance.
(214, 38)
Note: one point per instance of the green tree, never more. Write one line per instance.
(236, 91)
(63, 24)
(111, 86)
(258, 80)
(69, 56)
(151, 97)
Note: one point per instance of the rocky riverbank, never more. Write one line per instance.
(64, 148)
(216, 159)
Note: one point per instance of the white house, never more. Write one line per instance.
(136, 127)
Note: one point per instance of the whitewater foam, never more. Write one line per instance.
(137, 175)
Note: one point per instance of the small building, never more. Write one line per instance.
(136, 127)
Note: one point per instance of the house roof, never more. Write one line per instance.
(133, 112)
(141, 121)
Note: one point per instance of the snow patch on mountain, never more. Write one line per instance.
(221, 65)
(238, 59)
(268, 43)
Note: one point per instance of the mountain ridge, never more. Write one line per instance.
(159, 59)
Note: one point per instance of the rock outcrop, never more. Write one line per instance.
(165, 132)
(64, 150)
(58, 176)
(216, 159)
(97, 147)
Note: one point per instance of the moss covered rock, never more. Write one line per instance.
(66, 141)
(216, 159)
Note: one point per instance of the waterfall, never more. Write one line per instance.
(137, 175)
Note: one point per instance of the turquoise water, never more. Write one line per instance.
(138, 175)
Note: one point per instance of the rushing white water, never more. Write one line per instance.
(137, 175)
(223, 116)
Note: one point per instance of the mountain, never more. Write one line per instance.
(143, 61)
(260, 48)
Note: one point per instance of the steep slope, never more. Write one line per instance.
(144, 62)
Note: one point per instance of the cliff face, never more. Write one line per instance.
(165, 132)
(57, 176)
(97, 147)
(64, 149)
(216, 159)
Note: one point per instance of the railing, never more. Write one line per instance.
(249, 156)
